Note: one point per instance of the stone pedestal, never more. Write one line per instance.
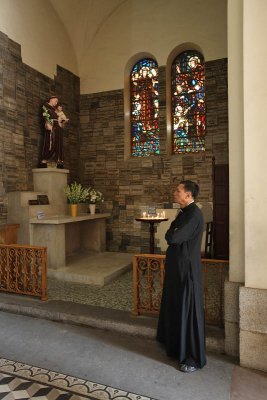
(52, 181)
(47, 181)
(253, 328)
(231, 317)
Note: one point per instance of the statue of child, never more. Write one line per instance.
(62, 118)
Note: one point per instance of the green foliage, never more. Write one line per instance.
(76, 193)
(47, 115)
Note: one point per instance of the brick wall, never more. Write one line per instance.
(130, 184)
(23, 90)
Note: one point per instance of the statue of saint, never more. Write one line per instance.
(54, 121)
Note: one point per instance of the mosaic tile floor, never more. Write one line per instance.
(117, 295)
(22, 382)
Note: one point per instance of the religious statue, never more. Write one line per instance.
(62, 118)
(54, 122)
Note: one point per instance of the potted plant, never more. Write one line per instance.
(94, 196)
(76, 194)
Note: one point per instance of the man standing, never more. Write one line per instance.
(181, 321)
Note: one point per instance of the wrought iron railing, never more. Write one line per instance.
(214, 273)
(23, 270)
(148, 276)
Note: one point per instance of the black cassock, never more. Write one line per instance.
(181, 325)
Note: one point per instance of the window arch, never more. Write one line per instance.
(188, 103)
(144, 108)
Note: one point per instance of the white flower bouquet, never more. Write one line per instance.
(94, 196)
(76, 193)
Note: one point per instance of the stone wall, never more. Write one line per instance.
(130, 184)
(23, 90)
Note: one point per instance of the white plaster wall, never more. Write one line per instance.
(96, 38)
(255, 107)
(162, 228)
(44, 41)
(236, 140)
(154, 26)
(83, 19)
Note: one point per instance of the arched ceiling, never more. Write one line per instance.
(83, 19)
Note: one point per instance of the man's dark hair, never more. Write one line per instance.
(190, 186)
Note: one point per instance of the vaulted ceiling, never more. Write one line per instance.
(83, 20)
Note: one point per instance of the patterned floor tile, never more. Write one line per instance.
(117, 295)
(22, 382)
(16, 388)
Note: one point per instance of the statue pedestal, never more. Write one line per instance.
(52, 181)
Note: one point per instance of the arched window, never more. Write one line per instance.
(144, 108)
(188, 103)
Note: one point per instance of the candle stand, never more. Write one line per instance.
(151, 222)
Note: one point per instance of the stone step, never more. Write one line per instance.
(93, 268)
(122, 322)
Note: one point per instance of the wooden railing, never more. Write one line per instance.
(148, 276)
(23, 270)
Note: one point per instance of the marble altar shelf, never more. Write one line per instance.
(64, 235)
(66, 219)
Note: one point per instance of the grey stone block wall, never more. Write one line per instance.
(253, 328)
(23, 90)
(131, 184)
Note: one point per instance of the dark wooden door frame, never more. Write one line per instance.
(220, 227)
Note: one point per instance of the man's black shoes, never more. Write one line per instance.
(187, 368)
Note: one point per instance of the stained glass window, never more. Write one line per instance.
(188, 103)
(144, 108)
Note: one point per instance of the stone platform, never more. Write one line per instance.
(93, 268)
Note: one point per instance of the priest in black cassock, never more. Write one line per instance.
(181, 321)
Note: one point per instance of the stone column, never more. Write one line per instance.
(236, 172)
(253, 297)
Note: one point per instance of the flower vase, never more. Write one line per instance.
(92, 208)
(73, 208)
